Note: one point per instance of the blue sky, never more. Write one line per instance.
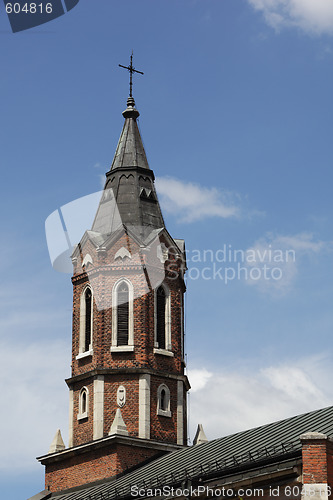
(236, 117)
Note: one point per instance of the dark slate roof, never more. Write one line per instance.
(130, 151)
(272, 442)
(129, 196)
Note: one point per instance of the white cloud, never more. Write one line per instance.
(239, 399)
(191, 202)
(199, 378)
(35, 401)
(36, 397)
(312, 16)
(273, 261)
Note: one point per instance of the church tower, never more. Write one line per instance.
(127, 388)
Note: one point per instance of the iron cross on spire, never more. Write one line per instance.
(131, 70)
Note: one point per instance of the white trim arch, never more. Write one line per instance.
(85, 344)
(83, 403)
(166, 347)
(163, 401)
(115, 346)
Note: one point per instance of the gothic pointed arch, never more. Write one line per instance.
(86, 321)
(163, 401)
(122, 316)
(162, 318)
(83, 403)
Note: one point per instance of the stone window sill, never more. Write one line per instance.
(164, 413)
(163, 352)
(122, 348)
(81, 416)
(85, 354)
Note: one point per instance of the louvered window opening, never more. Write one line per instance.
(160, 319)
(88, 301)
(122, 314)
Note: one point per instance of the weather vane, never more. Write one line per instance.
(131, 70)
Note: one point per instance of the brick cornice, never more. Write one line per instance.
(107, 441)
(140, 371)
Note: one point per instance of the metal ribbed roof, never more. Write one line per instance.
(269, 442)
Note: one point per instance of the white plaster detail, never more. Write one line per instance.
(200, 436)
(118, 425)
(122, 348)
(121, 396)
(130, 315)
(163, 401)
(122, 254)
(83, 403)
(57, 443)
(82, 340)
(167, 319)
(85, 354)
(87, 260)
(98, 407)
(163, 352)
(315, 491)
(180, 412)
(144, 406)
(162, 253)
(312, 435)
(71, 418)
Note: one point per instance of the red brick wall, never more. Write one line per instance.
(163, 428)
(83, 429)
(130, 412)
(93, 466)
(317, 461)
(102, 276)
(330, 464)
(102, 283)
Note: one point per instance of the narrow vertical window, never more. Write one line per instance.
(122, 317)
(122, 314)
(88, 305)
(160, 317)
(86, 323)
(83, 403)
(163, 400)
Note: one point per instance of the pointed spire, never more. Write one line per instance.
(57, 443)
(118, 425)
(130, 151)
(130, 199)
(200, 436)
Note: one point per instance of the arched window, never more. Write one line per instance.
(88, 308)
(163, 401)
(122, 316)
(83, 403)
(160, 317)
(162, 320)
(86, 323)
(122, 313)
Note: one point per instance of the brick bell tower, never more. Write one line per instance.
(128, 387)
